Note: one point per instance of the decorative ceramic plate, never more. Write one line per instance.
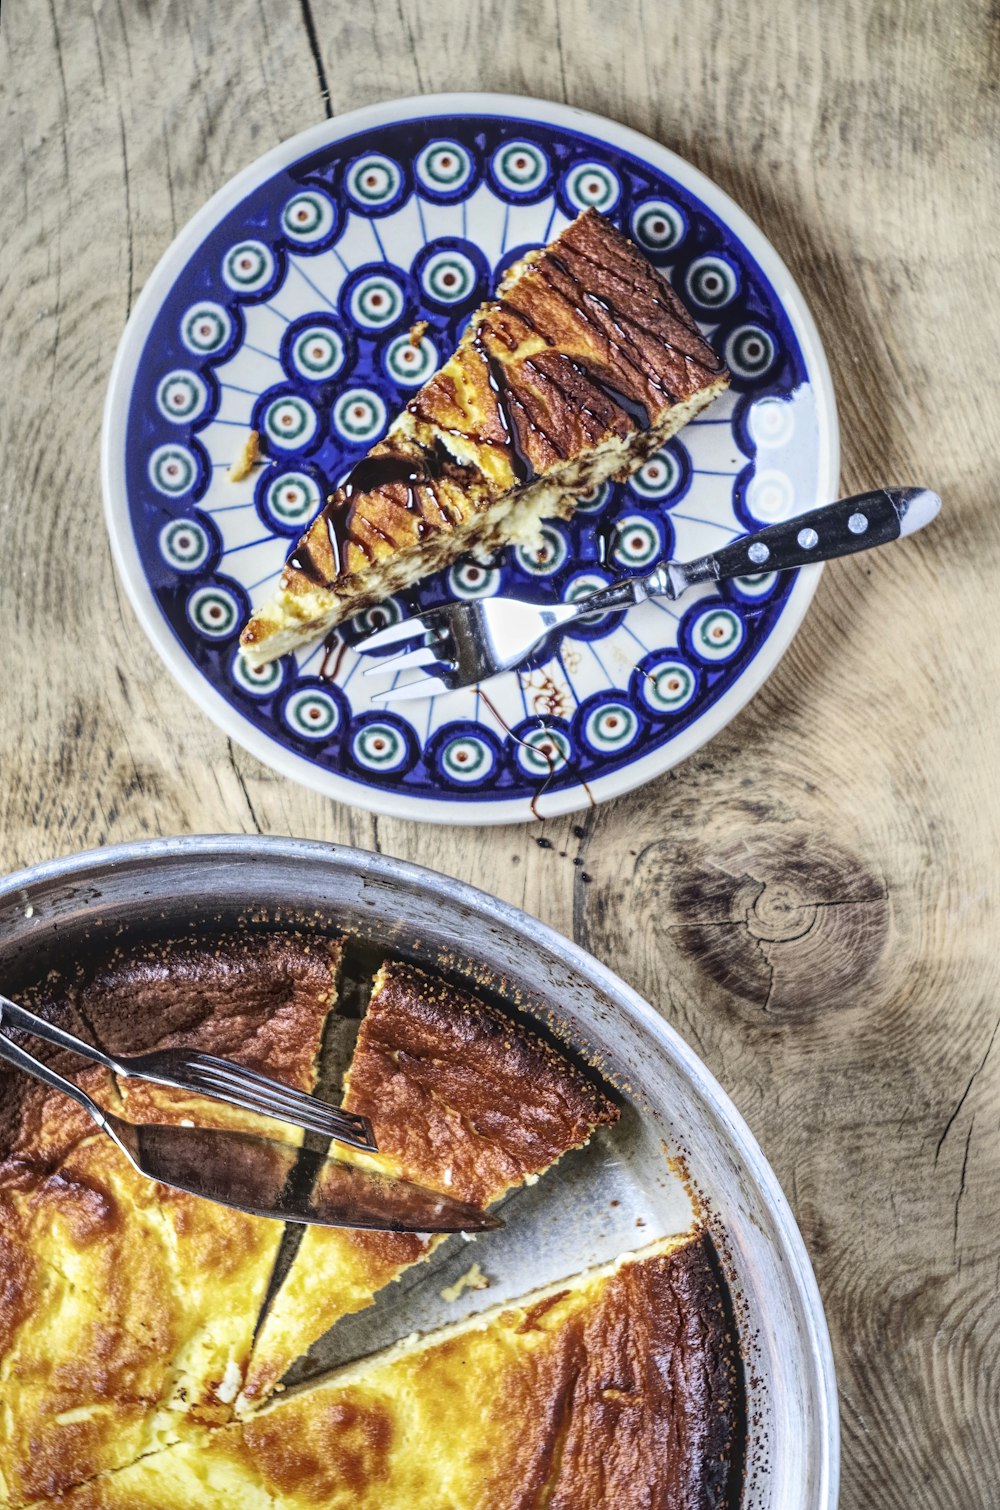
(285, 307)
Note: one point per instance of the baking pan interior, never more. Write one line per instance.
(679, 1149)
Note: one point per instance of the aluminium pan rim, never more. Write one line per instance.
(18, 890)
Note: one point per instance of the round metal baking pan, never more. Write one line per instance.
(62, 910)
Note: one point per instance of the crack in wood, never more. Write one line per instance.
(128, 212)
(965, 1094)
(312, 37)
(961, 1186)
(243, 787)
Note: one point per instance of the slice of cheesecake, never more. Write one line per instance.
(583, 364)
(463, 1099)
(619, 1387)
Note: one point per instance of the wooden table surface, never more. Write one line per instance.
(812, 899)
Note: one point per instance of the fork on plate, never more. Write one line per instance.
(206, 1075)
(461, 644)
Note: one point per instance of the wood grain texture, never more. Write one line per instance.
(812, 900)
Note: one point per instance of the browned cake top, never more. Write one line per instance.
(623, 1391)
(463, 1097)
(641, 1402)
(586, 342)
(248, 997)
(251, 997)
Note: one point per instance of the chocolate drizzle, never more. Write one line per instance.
(506, 400)
(598, 328)
(343, 515)
(379, 471)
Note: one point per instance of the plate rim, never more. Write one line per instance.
(73, 871)
(114, 430)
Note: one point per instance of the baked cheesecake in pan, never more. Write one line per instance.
(584, 363)
(619, 1389)
(130, 1315)
(463, 1099)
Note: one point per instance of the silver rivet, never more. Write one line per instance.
(857, 524)
(807, 539)
(758, 552)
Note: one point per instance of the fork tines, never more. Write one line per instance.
(254, 1092)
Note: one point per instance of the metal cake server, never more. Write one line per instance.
(465, 643)
(266, 1176)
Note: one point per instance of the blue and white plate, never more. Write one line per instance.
(284, 306)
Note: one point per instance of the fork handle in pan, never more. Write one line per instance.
(838, 529)
(13, 1016)
(22, 1060)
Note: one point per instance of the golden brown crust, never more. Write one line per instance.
(462, 1097)
(119, 1298)
(640, 1404)
(246, 995)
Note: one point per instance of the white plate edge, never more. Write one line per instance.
(125, 552)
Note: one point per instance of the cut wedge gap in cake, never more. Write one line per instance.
(463, 1099)
(620, 1386)
(582, 366)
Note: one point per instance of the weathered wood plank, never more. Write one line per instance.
(812, 900)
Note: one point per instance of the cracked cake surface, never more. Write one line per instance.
(621, 1387)
(139, 1369)
(582, 365)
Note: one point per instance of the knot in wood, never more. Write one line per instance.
(787, 921)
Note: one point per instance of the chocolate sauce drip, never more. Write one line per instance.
(372, 474)
(633, 407)
(379, 471)
(334, 650)
(302, 560)
(520, 462)
(505, 307)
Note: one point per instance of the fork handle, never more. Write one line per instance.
(839, 529)
(13, 1016)
(22, 1060)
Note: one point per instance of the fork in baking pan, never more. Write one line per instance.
(265, 1176)
(207, 1075)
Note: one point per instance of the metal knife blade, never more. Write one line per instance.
(274, 1179)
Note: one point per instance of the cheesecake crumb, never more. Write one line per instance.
(417, 332)
(472, 1279)
(246, 459)
(228, 1389)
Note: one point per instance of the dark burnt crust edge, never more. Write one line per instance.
(729, 1383)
